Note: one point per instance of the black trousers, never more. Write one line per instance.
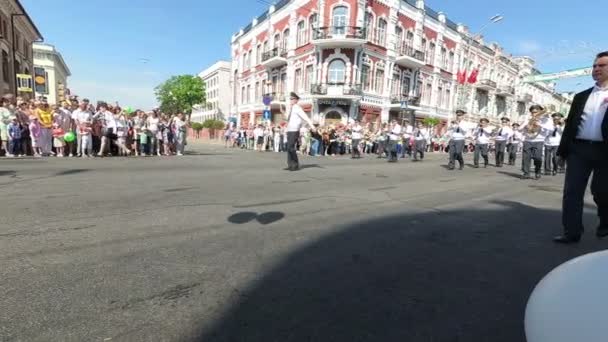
(532, 151)
(455, 151)
(551, 164)
(392, 150)
(583, 160)
(292, 154)
(420, 146)
(480, 149)
(355, 148)
(500, 146)
(512, 149)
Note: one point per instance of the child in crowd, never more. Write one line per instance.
(58, 140)
(86, 139)
(35, 133)
(14, 137)
(143, 141)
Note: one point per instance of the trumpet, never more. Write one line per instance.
(534, 123)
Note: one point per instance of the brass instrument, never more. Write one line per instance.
(534, 123)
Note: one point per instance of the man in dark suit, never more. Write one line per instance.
(584, 146)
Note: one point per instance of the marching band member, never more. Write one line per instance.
(407, 130)
(394, 138)
(457, 134)
(421, 135)
(356, 135)
(514, 143)
(552, 143)
(503, 136)
(535, 133)
(482, 140)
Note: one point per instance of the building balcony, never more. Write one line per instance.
(274, 58)
(486, 84)
(277, 97)
(336, 90)
(409, 57)
(339, 37)
(410, 99)
(505, 91)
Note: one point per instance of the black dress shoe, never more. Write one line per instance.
(566, 239)
(526, 176)
(601, 232)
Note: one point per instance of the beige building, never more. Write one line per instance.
(217, 87)
(50, 73)
(19, 31)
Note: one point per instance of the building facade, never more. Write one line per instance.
(50, 74)
(17, 33)
(373, 60)
(217, 84)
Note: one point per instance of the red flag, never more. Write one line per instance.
(473, 76)
(462, 77)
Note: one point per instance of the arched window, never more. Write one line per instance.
(276, 42)
(285, 40)
(336, 72)
(399, 38)
(369, 26)
(340, 19)
(381, 34)
(312, 25)
(301, 33)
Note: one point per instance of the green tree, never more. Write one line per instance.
(431, 122)
(197, 127)
(180, 93)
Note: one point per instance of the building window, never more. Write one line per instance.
(312, 25)
(395, 91)
(258, 55)
(5, 75)
(283, 82)
(336, 72)
(381, 33)
(440, 97)
(308, 78)
(257, 91)
(340, 19)
(285, 40)
(379, 81)
(301, 34)
(399, 38)
(265, 46)
(369, 25)
(405, 85)
(430, 56)
(248, 93)
(428, 90)
(242, 94)
(298, 80)
(277, 41)
(451, 62)
(448, 98)
(409, 39)
(4, 27)
(444, 60)
(365, 78)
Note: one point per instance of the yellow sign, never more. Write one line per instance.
(24, 83)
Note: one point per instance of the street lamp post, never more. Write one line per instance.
(16, 79)
(463, 89)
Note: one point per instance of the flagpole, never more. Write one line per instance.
(464, 87)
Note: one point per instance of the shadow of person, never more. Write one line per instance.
(461, 275)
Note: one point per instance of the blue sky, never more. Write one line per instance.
(103, 42)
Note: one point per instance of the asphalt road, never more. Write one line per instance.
(223, 245)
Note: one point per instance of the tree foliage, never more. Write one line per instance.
(197, 126)
(431, 122)
(179, 93)
(214, 124)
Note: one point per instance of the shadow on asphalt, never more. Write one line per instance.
(462, 275)
(193, 153)
(311, 166)
(510, 174)
(264, 218)
(71, 172)
(8, 173)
